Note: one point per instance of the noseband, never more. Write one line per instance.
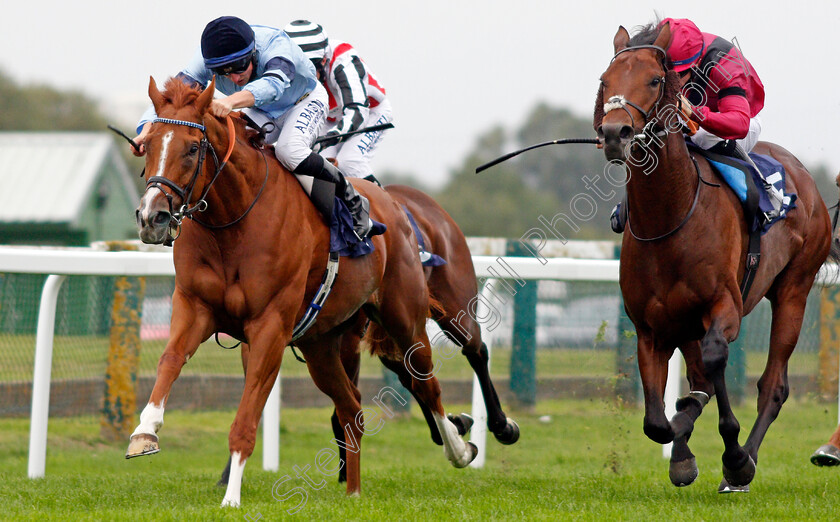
(620, 102)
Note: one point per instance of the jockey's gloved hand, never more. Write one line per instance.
(332, 139)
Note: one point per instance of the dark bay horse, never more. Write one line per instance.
(453, 286)
(248, 264)
(683, 257)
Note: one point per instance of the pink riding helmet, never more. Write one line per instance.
(686, 45)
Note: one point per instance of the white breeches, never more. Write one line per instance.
(706, 140)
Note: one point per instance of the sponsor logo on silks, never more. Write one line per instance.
(309, 116)
(369, 139)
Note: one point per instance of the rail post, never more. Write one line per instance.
(628, 384)
(120, 401)
(523, 357)
(829, 355)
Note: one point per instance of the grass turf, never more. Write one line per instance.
(588, 461)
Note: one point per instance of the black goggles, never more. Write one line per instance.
(235, 67)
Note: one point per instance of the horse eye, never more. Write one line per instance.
(193, 149)
(656, 81)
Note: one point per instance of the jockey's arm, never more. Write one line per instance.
(349, 77)
(731, 122)
(221, 107)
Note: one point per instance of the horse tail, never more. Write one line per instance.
(381, 345)
(435, 307)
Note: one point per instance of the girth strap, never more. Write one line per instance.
(321, 295)
(754, 244)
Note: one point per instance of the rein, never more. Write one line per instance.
(186, 193)
(619, 102)
(700, 181)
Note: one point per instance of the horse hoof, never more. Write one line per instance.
(463, 422)
(684, 472)
(142, 444)
(726, 488)
(470, 454)
(510, 433)
(230, 502)
(739, 477)
(826, 455)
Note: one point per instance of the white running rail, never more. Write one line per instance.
(62, 262)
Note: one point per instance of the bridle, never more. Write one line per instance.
(186, 193)
(620, 102)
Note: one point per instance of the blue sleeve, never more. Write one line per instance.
(276, 78)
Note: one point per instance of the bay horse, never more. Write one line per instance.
(249, 262)
(683, 256)
(453, 286)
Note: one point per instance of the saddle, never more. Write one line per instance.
(751, 187)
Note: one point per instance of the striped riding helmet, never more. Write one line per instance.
(310, 37)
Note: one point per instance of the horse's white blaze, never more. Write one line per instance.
(234, 487)
(146, 203)
(151, 419)
(454, 446)
(164, 151)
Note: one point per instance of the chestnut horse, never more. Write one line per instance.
(683, 256)
(250, 264)
(828, 454)
(453, 286)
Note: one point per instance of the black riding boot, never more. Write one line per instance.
(320, 169)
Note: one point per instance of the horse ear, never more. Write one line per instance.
(204, 99)
(621, 39)
(155, 94)
(664, 37)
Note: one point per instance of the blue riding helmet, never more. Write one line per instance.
(228, 45)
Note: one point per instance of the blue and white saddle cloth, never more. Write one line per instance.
(342, 238)
(738, 173)
(426, 258)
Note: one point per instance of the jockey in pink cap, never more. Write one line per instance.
(721, 95)
(722, 87)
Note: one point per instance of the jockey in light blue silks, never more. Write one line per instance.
(262, 71)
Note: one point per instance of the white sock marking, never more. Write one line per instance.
(151, 419)
(234, 488)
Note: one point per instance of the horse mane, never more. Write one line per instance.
(645, 35)
(178, 93)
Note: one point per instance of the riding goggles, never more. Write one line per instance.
(235, 67)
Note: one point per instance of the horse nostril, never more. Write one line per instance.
(600, 132)
(161, 219)
(626, 132)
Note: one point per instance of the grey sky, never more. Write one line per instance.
(452, 68)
